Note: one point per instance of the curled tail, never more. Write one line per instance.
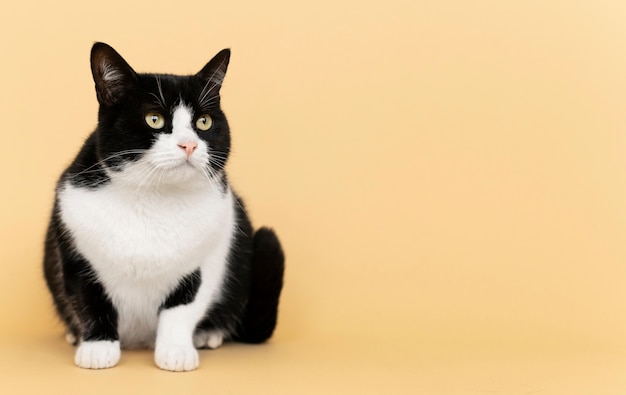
(268, 267)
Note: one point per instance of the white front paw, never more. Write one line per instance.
(176, 358)
(99, 354)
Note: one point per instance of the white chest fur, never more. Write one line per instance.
(141, 245)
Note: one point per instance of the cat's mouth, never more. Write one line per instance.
(172, 163)
(181, 166)
(184, 166)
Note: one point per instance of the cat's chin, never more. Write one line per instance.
(182, 174)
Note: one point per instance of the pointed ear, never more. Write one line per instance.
(112, 75)
(215, 71)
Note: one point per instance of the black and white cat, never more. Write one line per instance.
(148, 246)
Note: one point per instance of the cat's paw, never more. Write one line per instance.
(176, 358)
(208, 339)
(99, 354)
(70, 338)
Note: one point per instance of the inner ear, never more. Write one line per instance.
(215, 71)
(112, 75)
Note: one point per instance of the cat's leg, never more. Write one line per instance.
(72, 334)
(188, 304)
(71, 338)
(98, 345)
(98, 354)
(208, 338)
(174, 348)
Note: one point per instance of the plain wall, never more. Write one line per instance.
(445, 175)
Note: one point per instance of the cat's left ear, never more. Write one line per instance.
(112, 75)
(215, 71)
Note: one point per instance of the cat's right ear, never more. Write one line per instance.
(112, 75)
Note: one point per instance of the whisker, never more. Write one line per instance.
(94, 183)
(158, 80)
(161, 173)
(146, 180)
(219, 72)
(208, 172)
(209, 102)
(218, 154)
(211, 99)
(91, 169)
(204, 92)
(158, 99)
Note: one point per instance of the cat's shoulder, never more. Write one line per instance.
(84, 171)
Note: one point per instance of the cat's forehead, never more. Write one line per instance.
(168, 84)
(169, 90)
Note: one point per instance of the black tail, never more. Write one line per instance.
(268, 267)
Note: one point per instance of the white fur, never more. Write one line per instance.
(110, 73)
(158, 220)
(100, 354)
(181, 125)
(210, 339)
(70, 338)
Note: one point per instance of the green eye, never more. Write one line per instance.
(204, 122)
(155, 120)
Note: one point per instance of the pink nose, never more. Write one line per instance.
(189, 147)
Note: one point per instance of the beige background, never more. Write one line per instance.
(448, 179)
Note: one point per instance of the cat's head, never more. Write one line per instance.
(160, 127)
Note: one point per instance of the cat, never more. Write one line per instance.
(148, 246)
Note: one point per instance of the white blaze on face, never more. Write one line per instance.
(182, 131)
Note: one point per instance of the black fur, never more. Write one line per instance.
(185, 292)
(248, 308)
(268, 266)
(79, 298)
